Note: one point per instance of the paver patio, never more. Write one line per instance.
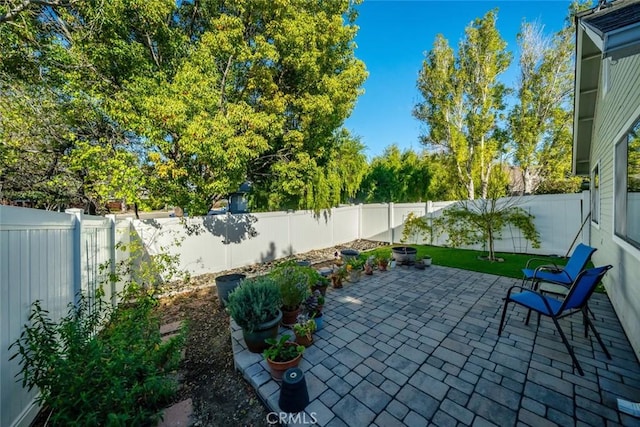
(414, 348)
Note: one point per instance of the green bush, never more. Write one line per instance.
(98, 365)
(293, 281)
(255, 301)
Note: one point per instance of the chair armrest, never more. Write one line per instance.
(553, 268)
(544, 260)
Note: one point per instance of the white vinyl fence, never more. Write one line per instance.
(50, 256)
(217, 243)
(47, 256)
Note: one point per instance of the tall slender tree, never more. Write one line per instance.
(463, 101)
(539, 121)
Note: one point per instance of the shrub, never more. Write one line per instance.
(294, 284)
(255, 301)
(98, 365)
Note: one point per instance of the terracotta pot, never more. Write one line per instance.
(382, 266)
(255, 340)
(290, 317)
(278, 368)
(304, 340)
(368, 270)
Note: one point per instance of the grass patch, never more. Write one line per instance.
(468, 259)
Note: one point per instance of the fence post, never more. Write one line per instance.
(77, 252)
(391, 222)
(429, 215)
(359, 221)
(112, 256)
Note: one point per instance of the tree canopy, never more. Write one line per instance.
(179, 102)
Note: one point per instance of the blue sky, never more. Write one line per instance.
(392, 40)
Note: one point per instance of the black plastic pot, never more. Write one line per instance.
(348, 254)
(255, 340)
(227, 283)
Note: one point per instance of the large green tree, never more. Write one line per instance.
(397, 176)
(463, 102)
(203, 94)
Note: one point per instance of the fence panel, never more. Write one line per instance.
(43, 256)
(557, 217)
(346, 225)
(33, 247)
(375, 222)
(216, 243)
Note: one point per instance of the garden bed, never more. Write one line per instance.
(220, 394)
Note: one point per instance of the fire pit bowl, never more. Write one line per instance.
(404, 255)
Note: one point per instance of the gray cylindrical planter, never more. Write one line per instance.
(227, 283)
(404, 254)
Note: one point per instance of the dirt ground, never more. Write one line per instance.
(221, 397)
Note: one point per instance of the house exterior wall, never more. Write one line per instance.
(616, 110)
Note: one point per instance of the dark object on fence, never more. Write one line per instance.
(294, 396)
(238, 200)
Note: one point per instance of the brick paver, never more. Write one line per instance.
(411, 347)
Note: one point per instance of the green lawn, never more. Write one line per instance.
(468, 259)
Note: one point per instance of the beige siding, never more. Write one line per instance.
(614, 112)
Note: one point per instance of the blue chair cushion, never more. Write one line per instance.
(535, 302)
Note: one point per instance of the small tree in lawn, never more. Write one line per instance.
(482, 220)
(416, 227)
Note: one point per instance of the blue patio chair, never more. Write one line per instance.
(574, 302)
(556, 274)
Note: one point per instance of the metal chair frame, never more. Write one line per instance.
(574, 302)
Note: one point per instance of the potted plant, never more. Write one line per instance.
(354, 267)
(368, 265)
(382, 262)
(315, 279)
(318, 318)
(338, 275)
(294, 288)
(304, 330)
(427, 260)
(255, 307)
(281, 355)
(320, 283)
(313, 308)
(314, 303)
(419, 263)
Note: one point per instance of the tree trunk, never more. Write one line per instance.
(492, 255)
(527, 181)
(470, 189)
